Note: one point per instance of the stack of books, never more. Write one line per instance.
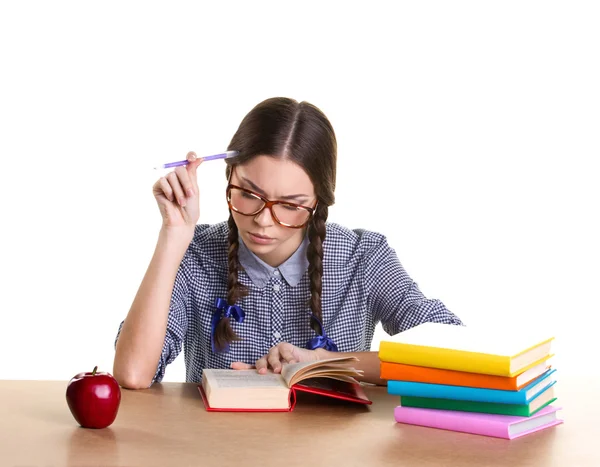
(473, 380)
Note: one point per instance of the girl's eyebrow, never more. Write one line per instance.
(287, 198)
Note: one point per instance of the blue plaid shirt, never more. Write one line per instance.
(363, 284)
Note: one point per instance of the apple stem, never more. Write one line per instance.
(94, 372)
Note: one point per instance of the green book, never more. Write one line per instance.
(525, 410)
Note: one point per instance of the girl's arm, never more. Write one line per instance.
(394, 298)
(141, 338)
(143, 342)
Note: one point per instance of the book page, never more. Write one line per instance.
(294, 372)
(341, 374)
(329, 384)
(242, 379)
(245, 390)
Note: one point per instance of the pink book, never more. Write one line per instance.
(498, 426)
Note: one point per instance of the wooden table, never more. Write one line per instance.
(167, 425)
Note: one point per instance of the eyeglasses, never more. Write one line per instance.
(249, 203)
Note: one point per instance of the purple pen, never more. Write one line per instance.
(223, 155)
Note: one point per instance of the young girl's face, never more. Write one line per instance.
(277, 180)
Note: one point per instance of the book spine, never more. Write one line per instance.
(466, 406)
(417, 374)
(448, 359)
(449, 420)
(442, 391)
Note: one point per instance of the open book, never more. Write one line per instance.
(249, 391)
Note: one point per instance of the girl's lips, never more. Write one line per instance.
(261, 236)
(257, 238)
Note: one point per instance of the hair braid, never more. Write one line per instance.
(224, 333)
(316, 236)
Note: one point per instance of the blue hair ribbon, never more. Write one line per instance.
(224, 311)
(323, 341)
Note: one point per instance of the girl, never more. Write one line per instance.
(276, 283)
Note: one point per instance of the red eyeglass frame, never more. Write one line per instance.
(268, 204)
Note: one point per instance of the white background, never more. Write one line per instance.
(468, 133)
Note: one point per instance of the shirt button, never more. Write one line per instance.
(276, 287)
(276, 335)
(276, 272)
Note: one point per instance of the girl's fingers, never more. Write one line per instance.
(163, 187)
(273, 357)
(178, 193)
(194, 163)
(261, 365)
(184, 180)
(241, 366)
(287, 355)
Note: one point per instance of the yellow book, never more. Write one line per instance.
(491, 350)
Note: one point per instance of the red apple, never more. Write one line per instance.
(94, 398)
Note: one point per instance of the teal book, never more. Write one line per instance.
(522, 410)
(467, 393)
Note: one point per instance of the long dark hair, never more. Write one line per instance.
(285, 128)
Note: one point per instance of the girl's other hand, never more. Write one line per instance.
(178, 196)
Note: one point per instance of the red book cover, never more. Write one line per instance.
(326, 387)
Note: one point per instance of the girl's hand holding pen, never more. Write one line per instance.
(177, 194)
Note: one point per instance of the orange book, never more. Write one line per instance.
(421, 374)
